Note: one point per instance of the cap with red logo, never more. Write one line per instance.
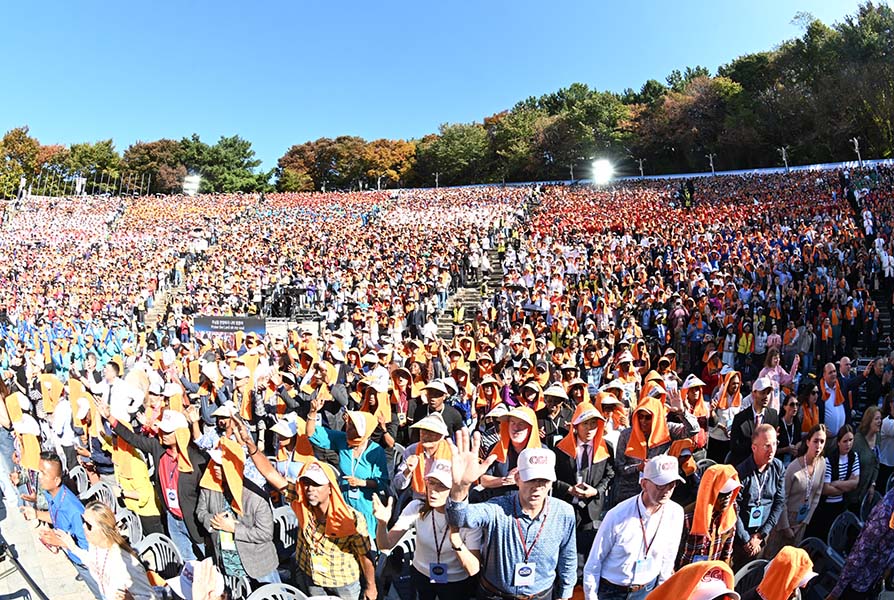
(537, 463)
(662, 469)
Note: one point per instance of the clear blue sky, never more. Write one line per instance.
(280, 73)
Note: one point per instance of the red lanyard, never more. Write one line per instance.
(521, 535)
(642, 525)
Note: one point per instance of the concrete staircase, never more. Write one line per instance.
(470, 298)
(160, 305)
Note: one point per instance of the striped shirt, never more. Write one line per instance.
(842, 474)
(554, 554)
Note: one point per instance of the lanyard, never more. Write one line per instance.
(809, 481)
(760, 489)
(434, 531)
(101, 572)
(790, 433)
(521, 536)
(647, 544)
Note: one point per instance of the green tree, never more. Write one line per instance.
(160, 162)
(19, 153)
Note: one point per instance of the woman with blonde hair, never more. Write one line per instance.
(111, 561)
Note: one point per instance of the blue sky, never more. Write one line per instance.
(280, 73)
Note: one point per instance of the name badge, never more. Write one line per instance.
(319, 565)
(802, 513)
(227, 542)
(172, 499)
(699, 558)
(756, 516)
(402, 418)
(643, 565)
(557, 439)
(437, 572)
(354, 493)
(524, 574)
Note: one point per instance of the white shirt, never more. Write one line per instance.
(123, 399)
(114, 570)
(886, 442)
(426, 551)
(619, 545)
(835, 416)
(62, 428)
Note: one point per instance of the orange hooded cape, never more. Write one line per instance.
(442, 451)
(784, 574)
(501, 448)
(568, 444)
(684, 582)
(638, 446)
(713, 480)
(340, 519)
(232, 465)
(723, 400)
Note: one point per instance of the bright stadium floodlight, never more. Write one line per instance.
(602, 171)
(191, 184)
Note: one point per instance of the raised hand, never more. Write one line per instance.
(382, 512)
(467, 469)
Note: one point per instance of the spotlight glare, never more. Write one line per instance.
(602, 171)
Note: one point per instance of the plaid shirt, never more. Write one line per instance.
(331, 562)
(716, 546)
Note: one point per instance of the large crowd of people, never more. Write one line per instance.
(663, 389)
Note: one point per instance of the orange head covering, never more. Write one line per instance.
(687, 463)
(501, 448)
(340, 519)
(303, 449)
(123, 454)
(724, 401)
(638, 446)
(539, 402)
(232, 463)
(383, 404)
(568, 444)
(442, 451)
(50, 390)
(365, 424)
(688, 579)
(714, 479)
(785, 573)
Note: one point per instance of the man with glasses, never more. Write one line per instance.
(762, 497)
(637, 543)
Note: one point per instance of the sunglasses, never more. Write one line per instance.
(87, 524)
(795, 404)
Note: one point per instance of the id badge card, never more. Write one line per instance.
(319, 565)
(524, 574)
(402, 418)
(557, 439)
(756, 516)
(437, 572)
(354, 493)
(802, 513)
(227, 542)
(172, 499)
(699, 558)
(643, 565)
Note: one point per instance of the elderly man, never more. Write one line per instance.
(625, 561)
(762, 496)
(531, 550)
(333, 547)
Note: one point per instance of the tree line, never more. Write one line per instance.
(811, 99)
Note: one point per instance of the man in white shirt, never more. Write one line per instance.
(636, 545)
(123, 399)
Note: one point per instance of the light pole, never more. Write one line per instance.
(710, 158)
(640, 161)
(856, 143)
(784, 151)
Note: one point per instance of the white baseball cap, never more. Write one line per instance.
(662, 469)
(172, 420)
(441, 470)
(556, 391)
(286, 427)
(712, 585)
(437, 386)
(537, 463)
(26, 425)
(314, 472)
(227, 410)
(498, 411)
(762, 383)
(241, 372)
(171, 389)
